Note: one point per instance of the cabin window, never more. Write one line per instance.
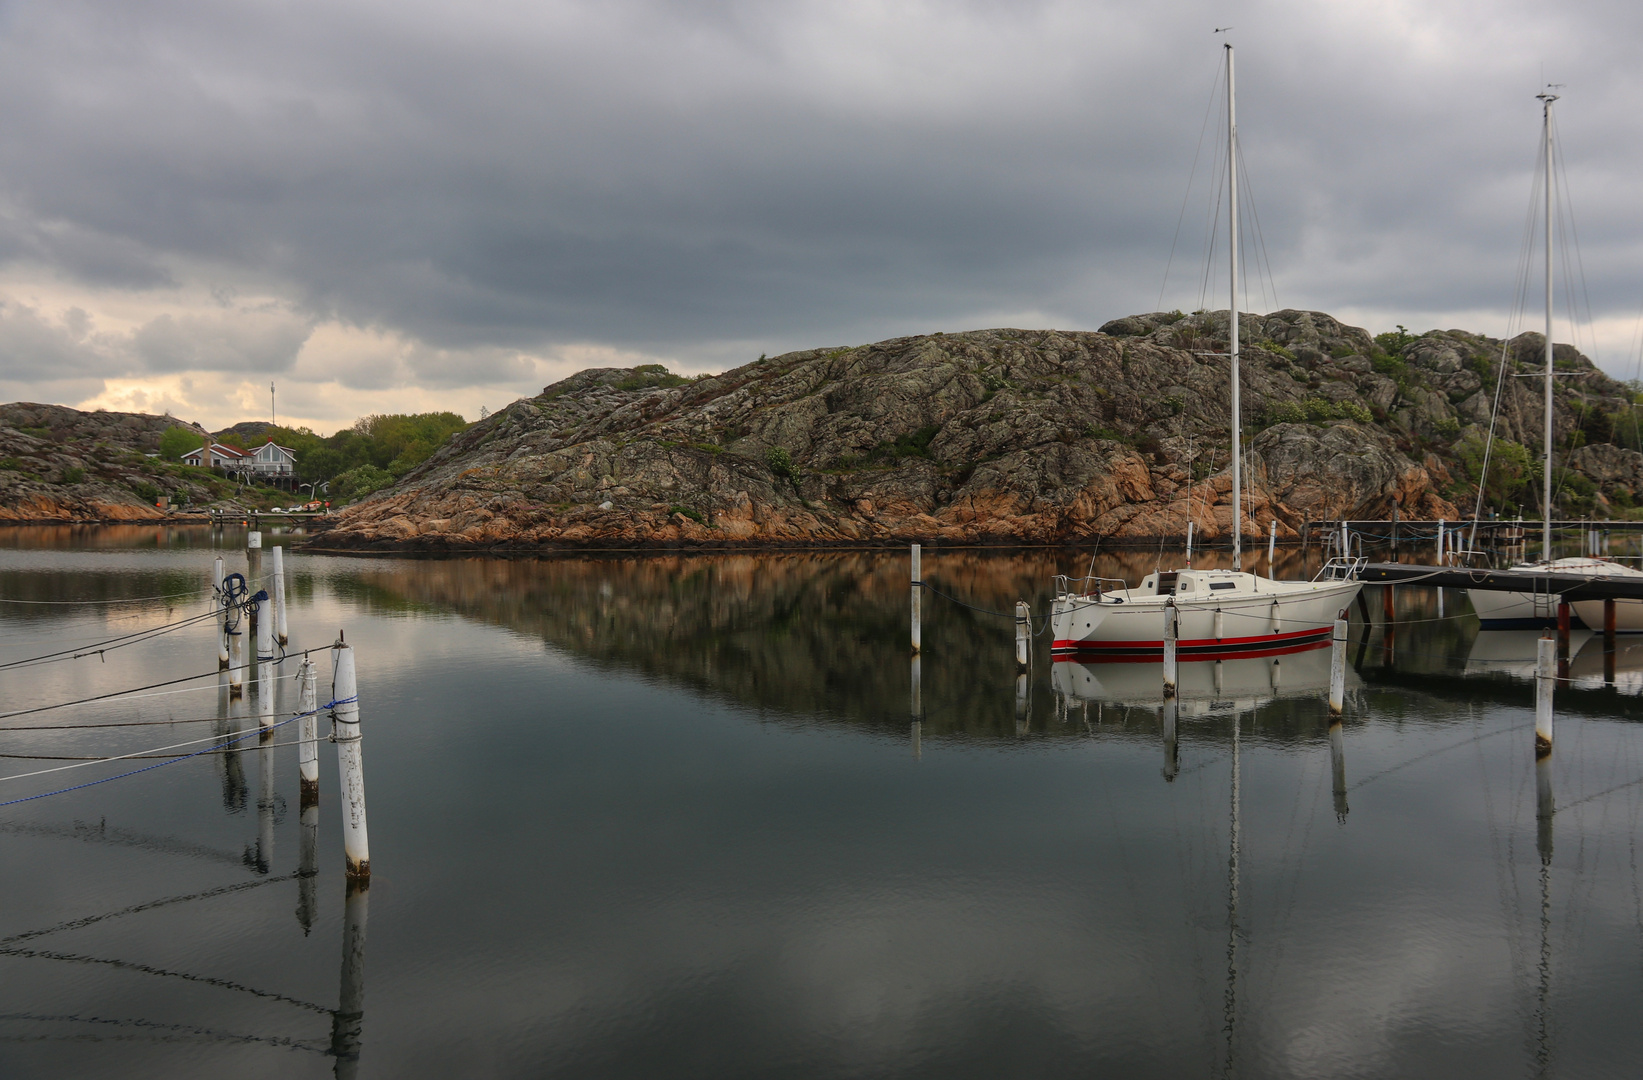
(1223, 584)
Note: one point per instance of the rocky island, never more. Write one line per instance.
(1007, 436)
(989, 436)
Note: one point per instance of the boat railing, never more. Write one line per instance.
(1342, 569)
(1066, 585)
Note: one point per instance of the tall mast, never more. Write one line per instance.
(1546, 487)
(1232, 323)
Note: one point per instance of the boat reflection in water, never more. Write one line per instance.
(1214, 690)
(1592, 662)
(1202, 687)
(1593, 665)
(1512, 652)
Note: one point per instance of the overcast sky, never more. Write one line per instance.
(405, 206)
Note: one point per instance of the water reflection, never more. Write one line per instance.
(1203, 686)
(987, 902)
(1337, 767)
(348, 1023)
(778, 631)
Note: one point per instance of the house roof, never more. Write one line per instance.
(220, 450)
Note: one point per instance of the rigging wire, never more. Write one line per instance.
(1517, 312)
(1263, 260)
(1212, 227)
(1209, 110)
(1574, 273)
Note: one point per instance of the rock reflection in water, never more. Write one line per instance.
(778, 631)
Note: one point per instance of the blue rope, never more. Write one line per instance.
(185, 757)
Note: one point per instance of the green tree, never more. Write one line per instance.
(178, 441)
(360, 481)
(1512, 469)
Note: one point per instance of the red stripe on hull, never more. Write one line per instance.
(1194, 648)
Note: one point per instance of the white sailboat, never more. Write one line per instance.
(1222, 613)
(1527, 610)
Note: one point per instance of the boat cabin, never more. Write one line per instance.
(1198, 583)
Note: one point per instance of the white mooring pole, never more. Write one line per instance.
(279, 595)
(236, 663)
(1023, 633)
(350, 760)
(308, 797)
(1171, 617)
(1545, 681)
(253, 559)
(1337, 666)
(308, 733)
(918, 614)
(218, 600)
(265, 670)
(1443, 559)
(1272, 551)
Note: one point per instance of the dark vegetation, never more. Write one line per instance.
(373, 453)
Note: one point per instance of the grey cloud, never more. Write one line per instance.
(241, 340)
(34, 348)
(666, 176)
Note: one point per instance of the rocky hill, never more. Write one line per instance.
(1016, 436)
(61, 464)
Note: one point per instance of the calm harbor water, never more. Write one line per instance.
(672, 816)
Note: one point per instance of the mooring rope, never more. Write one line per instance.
(109, 645)
(141, 756)
(220, 741)
(111, 694)
(985, 611)
(119, 600)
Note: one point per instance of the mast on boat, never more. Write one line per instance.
(1232, 323)
(1546, 100)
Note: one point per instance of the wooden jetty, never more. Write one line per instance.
(1571, 587)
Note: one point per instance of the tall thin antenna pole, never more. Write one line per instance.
(1546, 481)
(271, 415)
(1232, 323)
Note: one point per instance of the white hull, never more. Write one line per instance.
(1528, 611)
(1221, 614)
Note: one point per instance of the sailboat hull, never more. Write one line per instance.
(1535, 611)
(1245, 616)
